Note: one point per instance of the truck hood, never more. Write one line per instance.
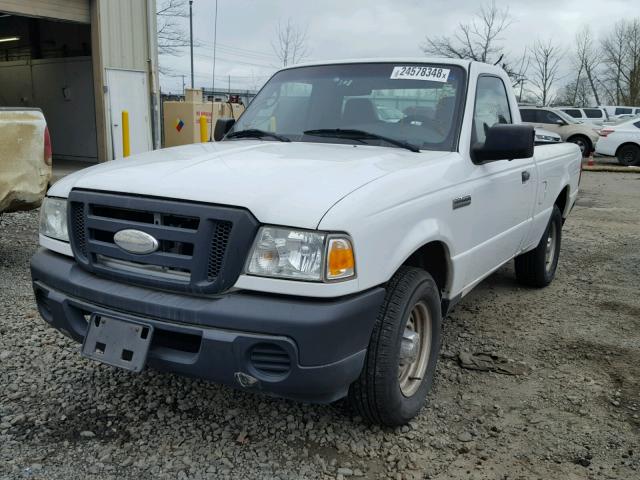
(280, 183)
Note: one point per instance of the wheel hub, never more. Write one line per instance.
(415, 349)
(550, 251)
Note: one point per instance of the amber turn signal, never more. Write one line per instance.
(340, 259)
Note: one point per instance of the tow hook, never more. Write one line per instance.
(245, 380)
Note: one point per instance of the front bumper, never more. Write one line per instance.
(215, 338)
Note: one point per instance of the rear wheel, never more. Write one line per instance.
(537, 268)
(403, 350)
(629, 155)
(583, 142)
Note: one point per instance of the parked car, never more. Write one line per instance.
(595, 116)
(615, 111)
(621, 141)
(583, 135)
(544, 137)
(309, 257)
(25, 159)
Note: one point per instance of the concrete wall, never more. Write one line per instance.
(72, 10)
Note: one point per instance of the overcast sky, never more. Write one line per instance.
(365, 28)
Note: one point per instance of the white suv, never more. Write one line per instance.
(595, 115)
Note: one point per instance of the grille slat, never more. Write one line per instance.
(193, 240)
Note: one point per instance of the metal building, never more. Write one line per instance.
(83, 62)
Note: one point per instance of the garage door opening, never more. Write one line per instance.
(47, 64)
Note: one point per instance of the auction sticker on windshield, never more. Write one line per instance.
(433, 74)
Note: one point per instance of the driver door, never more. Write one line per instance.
(504, 190)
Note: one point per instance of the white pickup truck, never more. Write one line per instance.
(25, 158)
(314, 251)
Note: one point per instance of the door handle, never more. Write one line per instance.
(525, 176)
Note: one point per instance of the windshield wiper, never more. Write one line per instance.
(255, 133)
(360, 135)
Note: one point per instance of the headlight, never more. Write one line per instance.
(53, 218)
(301, 255)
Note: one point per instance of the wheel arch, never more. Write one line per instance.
(435, 258)
(562, 201)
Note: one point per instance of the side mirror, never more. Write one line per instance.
(561, 122)
(223, 125)
(505, 142)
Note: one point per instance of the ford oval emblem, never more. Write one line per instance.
(135, 241)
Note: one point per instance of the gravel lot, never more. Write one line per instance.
(572, 412)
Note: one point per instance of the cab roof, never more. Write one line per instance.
(399, 60)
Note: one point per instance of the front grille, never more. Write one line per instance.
(270, 359)
(219, 243)
(194, 240)
(77, 222)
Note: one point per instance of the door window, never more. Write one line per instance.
(574, 112)
(545, 116)
(528, 115)
(593, 112)
(492, 106)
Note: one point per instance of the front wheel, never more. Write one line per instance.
(629, 155)
(402, 353)
(537, 268)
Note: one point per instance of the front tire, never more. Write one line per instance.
(402, 353)
(537, 268)
(629, 155)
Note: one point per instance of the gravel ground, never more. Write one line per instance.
(572, 412)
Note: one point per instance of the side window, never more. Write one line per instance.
(549, 117)
(492, 106)
(623, 111)
(593, 113)
(637, 124)
(575, 113)
(528, 115)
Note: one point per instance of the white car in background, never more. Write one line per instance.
(570, 130)
(545, 137)
(615, 111)
(594, 115)
(621, 141)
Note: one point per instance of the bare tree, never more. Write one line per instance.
(171, 33)
(545, 60)
(588, 60)
(478, 40)
(621, 56)
(290, 43)
(576, 93)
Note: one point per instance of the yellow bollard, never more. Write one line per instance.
(203, 129)
(126, 140)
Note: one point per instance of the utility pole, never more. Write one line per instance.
(191, 36)
(183, 83)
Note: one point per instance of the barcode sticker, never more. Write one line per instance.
(433, 74)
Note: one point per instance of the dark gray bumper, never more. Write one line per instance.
(324, 341)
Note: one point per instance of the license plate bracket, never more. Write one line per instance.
(116, 342)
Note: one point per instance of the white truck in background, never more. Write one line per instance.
(314, 251)
(25, 158)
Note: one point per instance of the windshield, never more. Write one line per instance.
(417, 104)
